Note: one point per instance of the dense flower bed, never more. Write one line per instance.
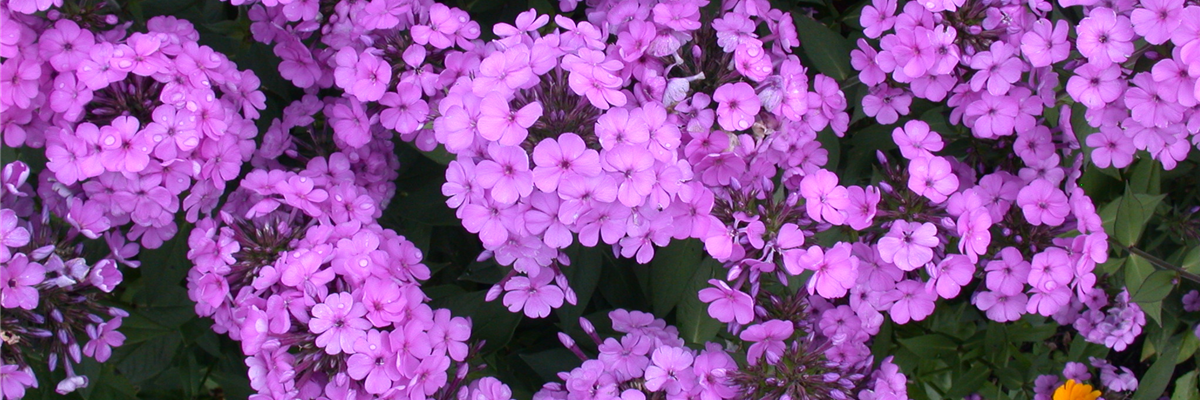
(763, 200)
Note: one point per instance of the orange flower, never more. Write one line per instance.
(1075, 391)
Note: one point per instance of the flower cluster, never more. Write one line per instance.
(129, 122)
(326, 303)
(1112, 381)
(52, 297)
(648, 361)
(1116, 327)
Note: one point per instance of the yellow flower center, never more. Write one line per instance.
(1075, 391)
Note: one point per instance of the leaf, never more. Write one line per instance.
(828, 50)
(930, 345)
(673, 264)
(694, 323)
(1191, 262)
(104, 383)
(1153, 310)
(547, 364)
(490, 320)
(1155, 381)
(1146, 176)
(1187, 387)
(1137, 269)
(969, 382)
(147, 359)
(1155, 288)
(1131, 218)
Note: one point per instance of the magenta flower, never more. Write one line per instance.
(506, 71)
(1157, 20)
(768, 338)
(1105, 37)
(535, 295)
(139, 55)
(489, 220)
(123, 147)
(823, 198)
(886, 103)
(1051, 269)
(1112, 147)
(506, 173)
(566, 157)
(375, 361)
(997, 68)
(1096, 86)
(951, 274)
(634, 169)
(671, 371)
(877, 17)
(863, 204)
(916, 140)
(67, 45)
(727, 304)
(498, 122)
(1044, 45)
(909, 245)
(17, 279)
(11, 235)
(835, 271)
(932, 177)
(910, 301)
(103, 338)
(992, 116)
(1001, 307)
(14, 380)
(406, 111)
(737, 106)
(1043, 203)
(339, 322)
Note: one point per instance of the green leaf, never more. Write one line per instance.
(695, 325)
(1155, 381)
(1131, 219)
(1082, 129)
(547, 364)
(1137, 269)
(931, 345)
(1155, 288)
(145, 360)
(1146, 176)
(969, 382)
(828, 50)
(1153, 310)
(1187, 387)
(673, 264)
(104, 383)
(1191, 262)
(490, 321)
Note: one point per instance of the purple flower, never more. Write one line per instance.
(951, 274)
(727, 304)
(566, 157)
(909, 245)
(11, 235)
(910, 302)
(823, 198)
(374, 360)
(671, 371)
(997, 68)
(17, 278)
(103, 338)
(506, 173)
(1001, 307)
(1105, 37)
(633, 168)
(932, 177)
(498, 122)
(1008, 274)
(916, 140)
(406, 110)
(768, 338)
(123, 147)
(1043, 203)
(339, 322)
(835, 271)
(536, 295)
(1156, 20)
(737, 106)
(1044, 45)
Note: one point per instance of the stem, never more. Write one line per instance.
(1158, 262)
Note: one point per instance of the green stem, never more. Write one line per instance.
(1158, 262)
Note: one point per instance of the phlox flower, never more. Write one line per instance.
(500, 123)
(737, 106)
(406, 111)
(17, 280)
(339, 322)
(916, 140)
(1051, 269)
(1008, 274)
(374, 362)
(103, 338)
(727, 304)
(932, 177)
(768, 338)
(670, 371)
(123, 147)
(910, 301)
(1043, 203)
(996, 68)
(823, 198)
(908, 245)
(1044, 44)
(950, 275)
(1105, 37)
(1001, 307)
(535, 295)
(1096, 86)
(506, 174)
(635, 177)
(835, 271)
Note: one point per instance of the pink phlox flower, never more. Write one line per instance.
(633, 168)
(878, 17)
(527, 21)
(103, 338)
(1001, 307)
(726, 304)
(910, 301)
(932, 177)
(916, 140)
(1105, 37)
(824, 199)
(506, 174)
(123, 147)
(835, 271)
(909, 245)
(768, 338)
(1008, 274)
(139, 55)
(374, 362)
(406, 110)
(627, 358)
(504, 72)
(950, 275)
(1043, 203)
(17, 280)
(535, 295)
(339, 323)
(737, 106)
(621, 125)
(498, 122)
(671, 371)
(1051, 269)
(996, 68)
(1044, 45)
